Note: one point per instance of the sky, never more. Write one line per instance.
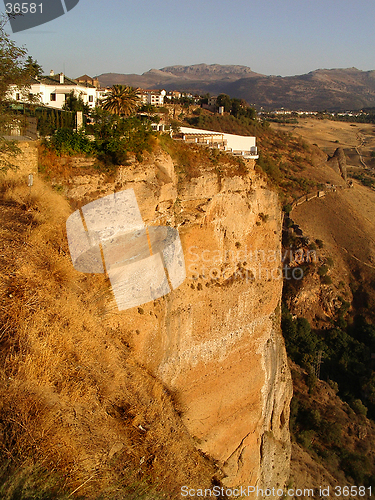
(272, 37)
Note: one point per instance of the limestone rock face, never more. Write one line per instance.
(215, 342)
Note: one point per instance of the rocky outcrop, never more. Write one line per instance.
(338, 162)
(215, 342)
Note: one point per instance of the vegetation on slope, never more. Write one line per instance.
(335, 434)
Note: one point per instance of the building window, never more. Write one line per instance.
(53, 97)
(91, 98)
(18, 98)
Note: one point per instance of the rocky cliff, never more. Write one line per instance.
(215, 342)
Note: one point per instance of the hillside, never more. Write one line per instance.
(330, 89)
(357, 139)
(333, 90)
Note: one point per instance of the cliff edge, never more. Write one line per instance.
(215, 342)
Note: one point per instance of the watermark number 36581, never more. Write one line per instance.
(24, 8)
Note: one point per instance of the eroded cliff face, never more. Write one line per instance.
(215, 342)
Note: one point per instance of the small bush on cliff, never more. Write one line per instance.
(323, 270)
(66, 141)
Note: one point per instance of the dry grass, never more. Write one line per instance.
(71, 396)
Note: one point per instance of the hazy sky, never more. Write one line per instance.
(279, 37)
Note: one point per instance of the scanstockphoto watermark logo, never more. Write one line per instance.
(249, 264)
(26, 15)
(142, 263)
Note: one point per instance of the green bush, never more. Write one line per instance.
(329, 261)
(301, 341)
(356, 466)
(66, 141)
(287, 208)
(115, 137)
(269, 166)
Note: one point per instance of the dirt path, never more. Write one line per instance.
(362, 141)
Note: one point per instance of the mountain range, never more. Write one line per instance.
(322, 89)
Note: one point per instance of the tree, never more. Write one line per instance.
(122, 100)
(32, 67)
(223, 100)
(74, 103)
(12, 72)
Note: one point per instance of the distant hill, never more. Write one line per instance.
(195, 78)
(331, 89)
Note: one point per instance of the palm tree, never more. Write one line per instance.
(122, 100)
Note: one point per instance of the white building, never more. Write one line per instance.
(153, 97)
(241, 145)
(52, 91)
(173, 94)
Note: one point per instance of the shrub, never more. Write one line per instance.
(359, 407)
(305, 438)
(329, 261)
(263, 217)
(355, 466)
(333, 385)
(311, 381)
(326, 280)
(66, 141)
(322, 270)
(114, 138)
(287, 208)
(269, 166)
